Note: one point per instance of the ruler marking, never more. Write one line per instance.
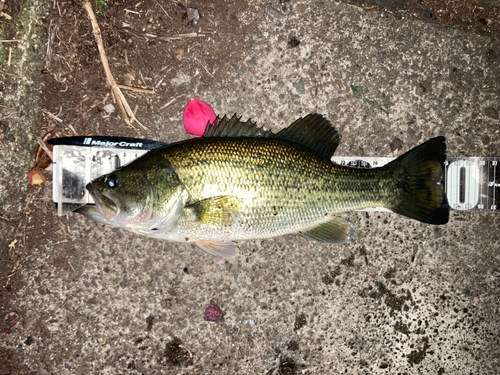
(470, 191)
(487, 194)
(491, 177)
(493, 206)
(482, 187)
(485, 183)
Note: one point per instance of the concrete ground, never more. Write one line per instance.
(401, 298)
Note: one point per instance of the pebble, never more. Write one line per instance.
(491, 113)
(109, 108)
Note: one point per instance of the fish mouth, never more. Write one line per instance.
(105, 204)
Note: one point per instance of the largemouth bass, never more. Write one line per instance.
(241, 182)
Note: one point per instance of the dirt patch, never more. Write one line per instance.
(151, 45)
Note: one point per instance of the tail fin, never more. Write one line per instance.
(418, 175)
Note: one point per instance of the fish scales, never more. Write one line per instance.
(283, 186)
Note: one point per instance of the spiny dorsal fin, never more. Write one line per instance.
(313, 131)
(234, 128)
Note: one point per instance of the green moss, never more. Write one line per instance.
(360, 93)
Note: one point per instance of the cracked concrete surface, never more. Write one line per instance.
(401, 298)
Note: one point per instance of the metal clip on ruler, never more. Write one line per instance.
(471, 183)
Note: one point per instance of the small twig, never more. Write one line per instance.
(167, 104)
(141, 35)
(183, 347)
(72, 129)
(52, 116)
(10, 56)
(139, 123)
(138, 89)
(104, 59)
(143, 80)
(9, 40)
(163, 10)
(9, 277)
(6, 15)
(95, 104)
(45, 148)
(105, 98)
(131, 11)
(14, 270)
(118, 95)
(58, 9)
(204, 67)
(48, 53)
(133, 118)
(120, 105)
(170, 102)
(159, 83)
(180, 36)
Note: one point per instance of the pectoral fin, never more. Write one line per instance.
(219, 251)
(335, 230)
(221, 211)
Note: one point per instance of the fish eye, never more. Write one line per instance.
(111, 182)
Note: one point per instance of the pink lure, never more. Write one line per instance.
(197, 115)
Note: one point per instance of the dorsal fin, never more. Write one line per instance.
(313, 131)
(234, 128)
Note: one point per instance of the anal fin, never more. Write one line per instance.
(335, 231)
(218, 251)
